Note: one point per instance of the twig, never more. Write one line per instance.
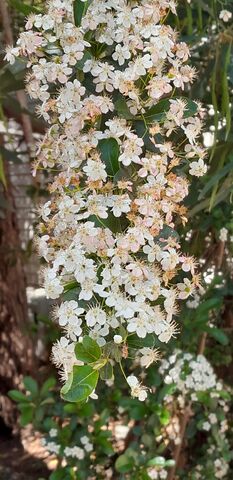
(220, 254)
(183, 424)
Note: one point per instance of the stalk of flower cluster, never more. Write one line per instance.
(119, 141)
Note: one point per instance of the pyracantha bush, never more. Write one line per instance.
(122, 142)
(192, 381)
(90, 440)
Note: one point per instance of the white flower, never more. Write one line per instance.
(117, 339)
(45, 211)
(169, 330)
(206, 426)
(52, 284)
(223, 234)
(87, 444)
(225, 15)
(185, 289)
(213, 418)
(131, 150)
(75, 452)
(63, 356)
(198, 169)
(53, 432)
(169, 259)
(69, 312)
(52, 447)
(138, 325)
(149, 356)
(121, 54)
(120, 204)
(98, 333)
(11, 53)
(137, 390)
(141, 65)
(95, 315)
(95, 170)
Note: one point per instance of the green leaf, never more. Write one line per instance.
(109, 150)
(80, 8)
(166, 390)
(88, 351)
(218, 334)
(80, 64)
(31, 385)
(60, 474)
(9, 83)
(2, 173)
(138, 412)
(156, 462)
(23, 8)
(18, 396)
(114, 224)
(158, 111)
(134, 341)
(124, 464)
(123, 109)
(170, 463)
(214, 179)
(81, 383)
(47, 386)
(106, 372)
(26, 416)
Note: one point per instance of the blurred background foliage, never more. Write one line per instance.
(205, 328)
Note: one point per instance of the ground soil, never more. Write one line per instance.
(23, 458)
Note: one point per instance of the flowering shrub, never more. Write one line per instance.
(192, 379)
(131, 438)
(120, 139)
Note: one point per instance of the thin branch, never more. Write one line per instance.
(183, 425)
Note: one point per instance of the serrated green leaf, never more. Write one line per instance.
(88, 351)
(81, 384)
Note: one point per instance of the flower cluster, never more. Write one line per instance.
(195, 380)
(120, 140)
(190, 374)
(77, 452)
